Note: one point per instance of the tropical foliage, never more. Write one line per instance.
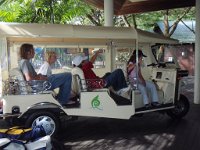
(77, 12)
(43, 11)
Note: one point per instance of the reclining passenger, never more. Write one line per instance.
(115, 79)
(62, 80)
(143, 85)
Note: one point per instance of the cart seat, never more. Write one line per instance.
(78, 81)
(23, 87)
(17, 77)
(16, 73)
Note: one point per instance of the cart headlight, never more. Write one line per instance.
(15, 109)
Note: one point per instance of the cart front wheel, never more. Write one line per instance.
(181, 108)
(46, 119)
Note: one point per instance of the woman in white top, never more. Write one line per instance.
(50, 58)
(135, 77)
(45, 69)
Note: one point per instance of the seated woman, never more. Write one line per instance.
(62, 80)
(143, 85)
(46, 70)
(50, 59)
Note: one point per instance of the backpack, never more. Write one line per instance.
(24, 138)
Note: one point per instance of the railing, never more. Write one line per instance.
(16, 87)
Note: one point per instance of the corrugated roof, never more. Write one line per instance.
(122, 7)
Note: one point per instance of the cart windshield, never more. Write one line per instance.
(164, 54)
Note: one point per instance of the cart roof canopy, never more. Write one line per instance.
(33, 32)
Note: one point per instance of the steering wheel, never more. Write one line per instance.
(163, 65)
(152, 64)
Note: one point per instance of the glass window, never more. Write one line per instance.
(163, 53)
(66, 55)
(100, 60)
(123, 54)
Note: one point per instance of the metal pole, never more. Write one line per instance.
(108, 12)
(197, 56)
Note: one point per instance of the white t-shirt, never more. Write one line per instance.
(45, 69)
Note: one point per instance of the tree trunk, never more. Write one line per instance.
(166, 23)
(169, 30)
(134, 21)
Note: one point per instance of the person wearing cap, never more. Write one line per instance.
(136, 78)
(115, 79)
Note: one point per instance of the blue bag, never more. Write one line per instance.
(24, 134)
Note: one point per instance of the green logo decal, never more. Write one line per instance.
(95, 102)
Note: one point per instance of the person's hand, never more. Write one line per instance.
(100, 51)
(42, 77)
(1, 103)
(131, 66)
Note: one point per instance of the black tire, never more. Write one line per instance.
(48, 120)
(182, 107)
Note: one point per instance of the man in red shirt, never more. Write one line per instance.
(115, 79)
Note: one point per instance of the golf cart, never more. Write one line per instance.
(31, 103)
